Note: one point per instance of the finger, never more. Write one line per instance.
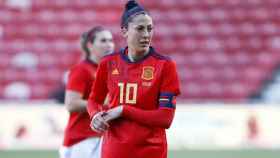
(102, 128)
(111, 115)
(97, 128)
(94, 125)
(101, 124)
(102, 120)
(107, 118)
(103, 114)
(105, 122)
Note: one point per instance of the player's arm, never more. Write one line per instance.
(74, 101)
(161, 117)
(74, 98)
(99, 90)
(97, 96)
(76, 86)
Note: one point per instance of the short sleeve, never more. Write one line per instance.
(170, 87)
(78, 79)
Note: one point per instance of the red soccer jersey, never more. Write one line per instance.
(147, 89)
(80, 80)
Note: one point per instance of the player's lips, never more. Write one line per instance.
(145, 43)
(107, 51)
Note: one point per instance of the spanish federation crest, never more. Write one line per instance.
(148, 73)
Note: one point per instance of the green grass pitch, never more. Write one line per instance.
(172, 154)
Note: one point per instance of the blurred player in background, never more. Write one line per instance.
(142, 86)
(79, 140)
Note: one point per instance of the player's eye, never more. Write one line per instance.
(150, 28)
(140, 28)
(103, 40)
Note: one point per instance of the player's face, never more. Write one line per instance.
(103, 43)
(139, 33)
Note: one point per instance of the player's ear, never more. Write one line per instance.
(124, 32)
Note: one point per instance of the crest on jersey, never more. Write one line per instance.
(148, 73)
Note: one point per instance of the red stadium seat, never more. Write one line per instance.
(224, 50)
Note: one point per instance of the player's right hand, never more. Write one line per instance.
(98, 123)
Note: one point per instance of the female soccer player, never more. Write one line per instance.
(79, 140)
(142, 86)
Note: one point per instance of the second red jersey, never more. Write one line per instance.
(80, 80)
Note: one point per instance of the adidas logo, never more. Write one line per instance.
(115, 72)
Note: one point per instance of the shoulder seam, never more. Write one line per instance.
(161, 57)
(112, 54)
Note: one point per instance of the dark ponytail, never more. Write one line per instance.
(132, 8)
(89, 37)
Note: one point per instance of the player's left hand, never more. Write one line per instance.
(98, 123)
(113, 113)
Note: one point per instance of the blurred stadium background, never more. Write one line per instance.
(227, 53)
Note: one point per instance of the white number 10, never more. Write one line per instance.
(128, 88)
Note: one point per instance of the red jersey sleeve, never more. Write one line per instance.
(163, 116)
(169, 87)
(78, 79)
(99, 90)
(170, 80)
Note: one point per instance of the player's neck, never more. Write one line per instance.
(93, 59)
(133, 56)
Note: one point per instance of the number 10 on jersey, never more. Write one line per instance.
(130, 90)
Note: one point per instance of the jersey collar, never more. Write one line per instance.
(124, 56)
(90, 62)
